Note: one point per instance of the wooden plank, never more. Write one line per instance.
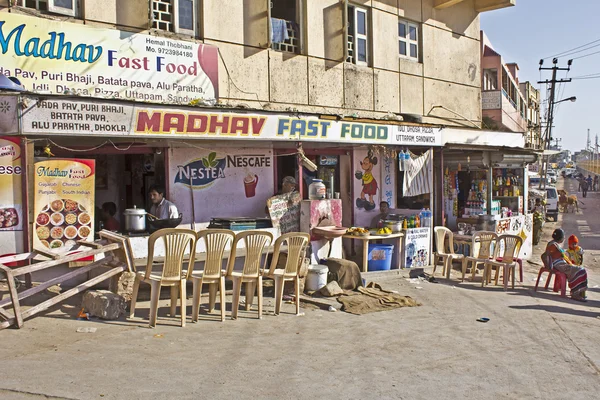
(4, 314)
(125, 254)
(93, 245)
(14, 297)
(63, 260)
(78, 289)
(17, 258)
(59, 279)
(48, 254)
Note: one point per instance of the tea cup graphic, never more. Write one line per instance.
(250, 182)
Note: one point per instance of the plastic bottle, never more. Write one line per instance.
(317, 190)
(404, 224)
(401, 161)
(417, 222)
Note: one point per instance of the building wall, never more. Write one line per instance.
(444, 86)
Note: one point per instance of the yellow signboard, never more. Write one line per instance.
(11, 213)
(63, 203)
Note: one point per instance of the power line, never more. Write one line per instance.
(575, 48)
(586, 55)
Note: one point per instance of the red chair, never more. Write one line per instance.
(560, 281)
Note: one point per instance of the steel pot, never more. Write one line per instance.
(395, 226)
(134, 219)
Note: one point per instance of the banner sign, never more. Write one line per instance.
(220, 183)
(11, 170)
(101, 118)
(63, 203)
(63, 58)
(416, 247)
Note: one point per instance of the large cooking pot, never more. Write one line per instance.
(395, 226)
(135, 219)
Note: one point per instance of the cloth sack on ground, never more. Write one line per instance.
(373, 298)
(346, 273)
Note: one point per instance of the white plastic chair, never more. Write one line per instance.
(444, 250)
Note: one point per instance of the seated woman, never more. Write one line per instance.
(576, 275)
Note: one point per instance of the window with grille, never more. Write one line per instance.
(285, 25)
(490, 79)
(408, 40)
(358, 37)
(65, 7)
(178, 16)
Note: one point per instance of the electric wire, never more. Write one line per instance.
(571, 50)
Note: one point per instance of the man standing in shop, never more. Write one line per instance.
(161, 207)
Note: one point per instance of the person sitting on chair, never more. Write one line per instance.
(559, 260)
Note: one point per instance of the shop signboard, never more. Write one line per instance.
(416, 247)
(11, 170)
(58, 116)
(63, 203)
(220, 182)
(58, 57)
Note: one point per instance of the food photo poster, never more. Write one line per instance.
(63, 203)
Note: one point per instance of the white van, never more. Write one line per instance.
(552, 203)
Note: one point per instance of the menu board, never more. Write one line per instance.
(284, 210)
(63, 203)
(11, 213)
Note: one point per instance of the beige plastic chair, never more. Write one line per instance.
(512, 246)
(256, 243)
(444, 250)
(481, 251)
(296, 250)
(171, 271)
(216, 241)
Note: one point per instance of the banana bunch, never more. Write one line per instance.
(384, 231)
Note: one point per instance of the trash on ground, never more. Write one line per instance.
(418, 287)
(483, 319)
(87, 330)
(159, 336)
(332, 309)
(83, 315)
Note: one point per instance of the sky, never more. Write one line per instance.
(535, 29)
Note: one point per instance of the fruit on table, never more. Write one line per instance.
(384, 231)
(357, 231)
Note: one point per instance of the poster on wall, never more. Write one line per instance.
(367, 187)
(227, 182)
(11, 210)
(63, 203)
(57, 57)
(416, 247)
(521, 225)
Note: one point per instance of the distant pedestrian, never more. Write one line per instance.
(590, 182)
(596, 183)
(584, 187)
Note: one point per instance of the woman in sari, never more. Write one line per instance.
(576, 275)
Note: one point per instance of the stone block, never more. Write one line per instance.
(124, 285)
(104, 304)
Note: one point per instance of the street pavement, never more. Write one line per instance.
(535, 346)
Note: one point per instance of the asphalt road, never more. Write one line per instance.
(536, 345)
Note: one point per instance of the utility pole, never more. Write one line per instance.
(550, 119)
(556, 141)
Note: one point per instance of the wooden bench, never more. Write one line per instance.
(118, 258)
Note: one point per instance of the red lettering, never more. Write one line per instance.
(239, 125)
(148, 123)
(172, 121)
(197, 123)
(257, 125)
(219, 126)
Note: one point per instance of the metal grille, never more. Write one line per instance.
(350, 58)
(291, 45)
(162, 15)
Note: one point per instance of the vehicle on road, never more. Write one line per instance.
(553, 176)
(552, 203)
(569, 172)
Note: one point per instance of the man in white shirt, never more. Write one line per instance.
(161, 207)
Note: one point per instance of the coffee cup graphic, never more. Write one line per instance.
(250, 182)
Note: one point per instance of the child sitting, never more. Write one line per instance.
(575, 252)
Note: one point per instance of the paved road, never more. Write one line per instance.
(536, 346)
